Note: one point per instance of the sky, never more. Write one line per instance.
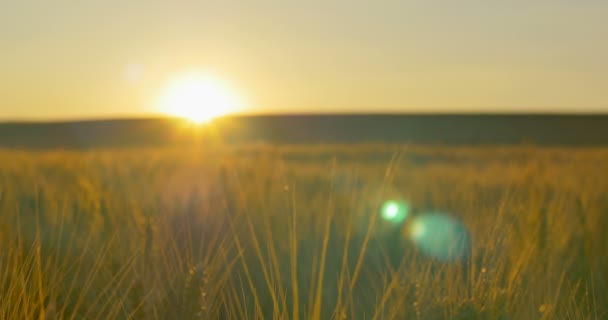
(87, 59)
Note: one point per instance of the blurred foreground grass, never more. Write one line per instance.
(264, 232)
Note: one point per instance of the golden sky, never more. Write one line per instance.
(73, 59)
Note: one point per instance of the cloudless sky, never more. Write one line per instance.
(73, 59)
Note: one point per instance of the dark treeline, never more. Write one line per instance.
(550, 130)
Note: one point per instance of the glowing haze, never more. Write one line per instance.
(83, 59)
(199, 98)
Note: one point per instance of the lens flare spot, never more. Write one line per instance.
(391, 211)
(417, 229)
(395, 211)
(440, 236)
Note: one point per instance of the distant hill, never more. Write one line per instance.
(452, 129)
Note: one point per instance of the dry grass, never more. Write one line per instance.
(281, 233)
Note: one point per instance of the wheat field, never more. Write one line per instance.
(290, 232)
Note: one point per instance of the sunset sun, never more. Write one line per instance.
(198, 98)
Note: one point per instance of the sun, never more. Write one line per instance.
(198, 98)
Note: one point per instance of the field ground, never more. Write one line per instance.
(268, 232)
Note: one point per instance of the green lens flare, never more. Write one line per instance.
(395, 211)
(440, 236)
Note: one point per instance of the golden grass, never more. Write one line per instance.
(265, 232)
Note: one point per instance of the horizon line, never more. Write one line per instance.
(144, 117)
